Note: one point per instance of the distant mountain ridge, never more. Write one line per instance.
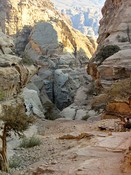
(85, 14)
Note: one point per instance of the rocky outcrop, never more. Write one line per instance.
(20, 16)
(113, 74)
(46, 37)
(13, 75)
(115, 24)
(62, 39)
(61, 77)
(14, 15)
(115, 30)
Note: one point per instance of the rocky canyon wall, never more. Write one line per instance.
(46, 37)
(114, 72)
(20, 16)
(115, 24)
(14, 75)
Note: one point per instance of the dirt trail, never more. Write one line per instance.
(100, 154)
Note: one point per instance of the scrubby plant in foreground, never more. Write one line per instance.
(2, 94)
(14, 163)
(13, 119)
(30, 142)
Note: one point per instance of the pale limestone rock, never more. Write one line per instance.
(94, 119)
(68, 113)
(33, 103)
(81, 96)
(80, 114)
(92, 113)
(13, 75)
(8, 60)
(66, 84)
(60, 77)
(6, 42)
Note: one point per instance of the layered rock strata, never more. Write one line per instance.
(18, 17)
(114, 72)
(13, 74)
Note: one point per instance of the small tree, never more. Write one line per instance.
(13, 119)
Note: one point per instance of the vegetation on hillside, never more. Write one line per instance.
(105, 52)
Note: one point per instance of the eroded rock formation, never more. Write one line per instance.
(114, 72)
(46, 37)
(13, 75)
(18, 17)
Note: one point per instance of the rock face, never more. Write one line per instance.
(46, 37)
(115, 30)
(61, 77)
(14, 15)
(114, 72)
(84, 15)
(20, 16)
(115, 24)
(13, 75)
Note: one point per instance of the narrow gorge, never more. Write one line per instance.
(77, 89)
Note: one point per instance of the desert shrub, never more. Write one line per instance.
(85, 117)
(14, 162)
(51, 112)
(30, 142)
(2, 94)
(120, 89)
(106, 52)
(27, 61)
(13, 119)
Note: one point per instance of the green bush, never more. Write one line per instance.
(85, 117)
(27, 61)
(2, 94)
(106, 52)
(30, 142)
(14, 162)
(51, 112)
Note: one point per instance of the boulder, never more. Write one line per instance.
(94, 119)
(68, 113)
(80, 114)
(6, 43)
(33, 103)
(116, 67)
(92, 113)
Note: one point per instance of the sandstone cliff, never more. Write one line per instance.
(14, 15)
(13, 75)
(115, 70)
(115, 26)
(21, 14)
(45, 36)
